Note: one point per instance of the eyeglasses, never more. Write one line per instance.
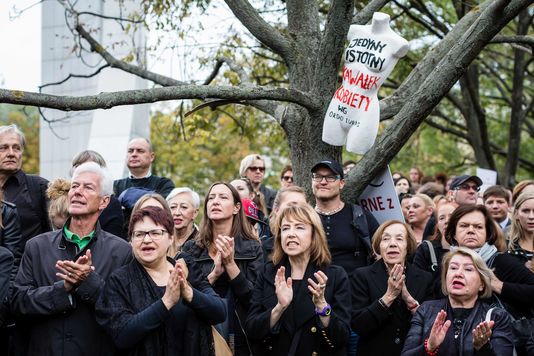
(155, 234)
(330, 179)
(253, 168)
(287, 178)
(466, 187)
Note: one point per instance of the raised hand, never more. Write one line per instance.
(186, 290)
(439, 330)
(317, 289)
(283, 288)
(225, 245)
(482, 334)
(173, 288)
(218, 269)
(73, 273)
(395, 283)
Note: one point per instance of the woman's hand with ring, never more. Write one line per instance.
(317, 289)
(482, 334)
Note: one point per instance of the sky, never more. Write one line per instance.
(20, 38)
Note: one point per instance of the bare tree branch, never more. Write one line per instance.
(260, 29)
(365, 15)
(133, 69)
(70, 76)
(143, 96)
(526, 40)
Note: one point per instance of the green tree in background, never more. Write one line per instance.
(207, 145)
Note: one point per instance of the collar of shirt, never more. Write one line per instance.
(81, 242)
(504, 223)
(147, 176)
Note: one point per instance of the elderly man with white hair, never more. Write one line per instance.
(63, 271)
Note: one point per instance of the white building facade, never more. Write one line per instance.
(63, 134)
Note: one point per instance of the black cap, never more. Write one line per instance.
(334, 166)
(458, 181)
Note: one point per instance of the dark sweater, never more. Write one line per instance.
(160, 185)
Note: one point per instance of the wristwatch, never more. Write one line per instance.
(326, 311)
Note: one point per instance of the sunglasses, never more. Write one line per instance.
(260, 169)
(287, 178)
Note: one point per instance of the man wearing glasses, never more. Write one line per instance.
(62, 272)
(464, 189)
(348, 227)
(253, 168)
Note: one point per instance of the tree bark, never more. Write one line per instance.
(518, 113)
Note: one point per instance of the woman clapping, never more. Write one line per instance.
(301, 303)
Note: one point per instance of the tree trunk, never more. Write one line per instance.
(517, 114)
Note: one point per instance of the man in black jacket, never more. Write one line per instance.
(139, 160)
(62, 273)
(26, 191)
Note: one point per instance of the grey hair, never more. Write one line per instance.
(194, 195)
(247, 162)
(106, 182)
(150, 148)
(14, 129)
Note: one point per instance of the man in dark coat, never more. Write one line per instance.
(139, 158)
(26, 191)
(62, 273)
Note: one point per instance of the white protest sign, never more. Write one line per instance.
(488, 178)
(380, 198)
(353, 115)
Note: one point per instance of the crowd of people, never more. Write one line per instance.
(92, 266)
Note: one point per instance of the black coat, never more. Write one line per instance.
(501, 335)
(10, 234)
(132, 312)
(63, 323)
(112, 219)
(382, 331)
(6, 265)
(314, 338)
(248, 256)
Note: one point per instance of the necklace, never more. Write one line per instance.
(329, 212)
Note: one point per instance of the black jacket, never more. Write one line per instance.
(28, 193)
(269, 195)
(382, 331)
(112, 219)
(501, 335)
(248, 256)
(10, 235)
(63, 323)
(132, 312)
(314, 338)
(160, 185)
(6, 265)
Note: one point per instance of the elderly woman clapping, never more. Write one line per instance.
(387, 293)
(458, 324)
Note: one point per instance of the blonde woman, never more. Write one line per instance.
(521, 236)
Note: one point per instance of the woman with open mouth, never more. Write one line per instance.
(153, 305)
(512, 282)
(387, 293)
(301, 303)
(461, 323)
